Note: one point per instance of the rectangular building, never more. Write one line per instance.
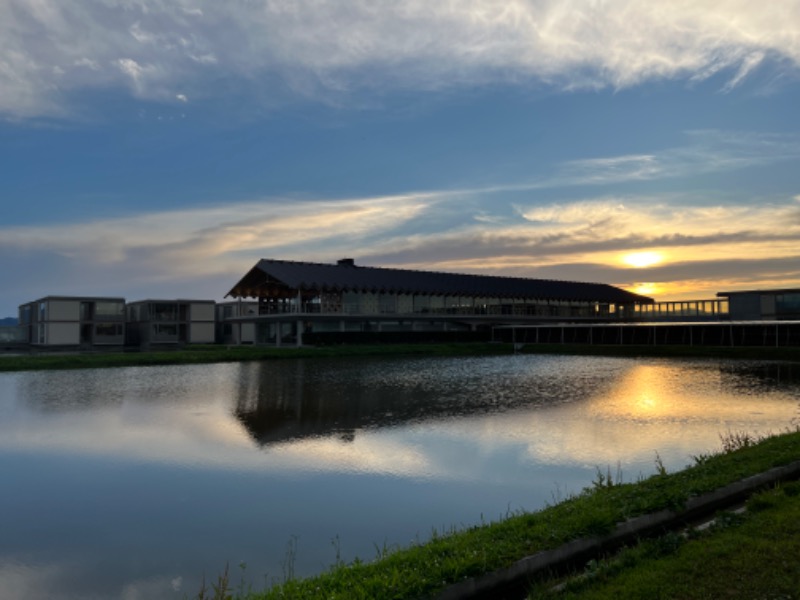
(153, 322)
(236, 332)
(73, 321)
(748, 305)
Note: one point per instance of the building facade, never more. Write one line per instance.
(296, 298)
(780, 305)
(235, 332)
(73, 321)
(156, 322)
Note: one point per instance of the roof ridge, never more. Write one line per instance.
(428, 272)
(346, 275)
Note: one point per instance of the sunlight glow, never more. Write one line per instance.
(647, 288)
(640, 260)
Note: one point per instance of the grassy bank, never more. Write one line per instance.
(742, 555)
(424, 570)
(217, 354)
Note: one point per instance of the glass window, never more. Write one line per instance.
(422, 304)
(108, 330)
(165, 332)
(86, 311)
(109, 309)
(164, 312)
(387, 303)
(787, 303)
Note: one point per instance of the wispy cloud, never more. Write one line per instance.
(483, 230)
(197, 252)
(194, 241)
(589, 240)
(582, 239)
(326, 49)
(706, 151)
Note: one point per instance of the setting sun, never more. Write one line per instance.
(646, 289)
(640, 260)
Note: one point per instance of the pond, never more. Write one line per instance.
(138, 482)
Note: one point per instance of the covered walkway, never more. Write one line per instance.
(709, 333)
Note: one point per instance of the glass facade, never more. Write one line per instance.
(163, 332)
(109, 310)
(369, 303)
(787, 304)
(108, 330)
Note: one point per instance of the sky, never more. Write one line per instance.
(160, 148)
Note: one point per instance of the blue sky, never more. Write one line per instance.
(158, 149)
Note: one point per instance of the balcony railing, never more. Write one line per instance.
(508, 309)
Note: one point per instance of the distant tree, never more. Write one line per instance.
(8, 321)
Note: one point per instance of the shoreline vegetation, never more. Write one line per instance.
(716, 556)
(215, 353)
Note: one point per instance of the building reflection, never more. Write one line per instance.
(295, 400)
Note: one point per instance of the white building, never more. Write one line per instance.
(73, 321)
(236, 332)
(152, 322)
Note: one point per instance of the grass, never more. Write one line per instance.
(750, 555)
(218, 353)
(423, 570)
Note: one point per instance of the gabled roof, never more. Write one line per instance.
(283, 278)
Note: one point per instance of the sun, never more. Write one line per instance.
(640, 260)
(646, 288)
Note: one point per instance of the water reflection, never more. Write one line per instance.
(134, 482)
(286, 402)
(626, 408)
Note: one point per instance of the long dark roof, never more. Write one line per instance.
(269, 277)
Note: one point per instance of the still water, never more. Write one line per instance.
(134, 483)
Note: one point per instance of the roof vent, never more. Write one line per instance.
(346, 262)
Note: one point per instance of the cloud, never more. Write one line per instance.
(751, 240)
(707, 151)
(587, 239)
(751, 244)
(32, 581)
(218, 240)
(713, 245)
(51, 49)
